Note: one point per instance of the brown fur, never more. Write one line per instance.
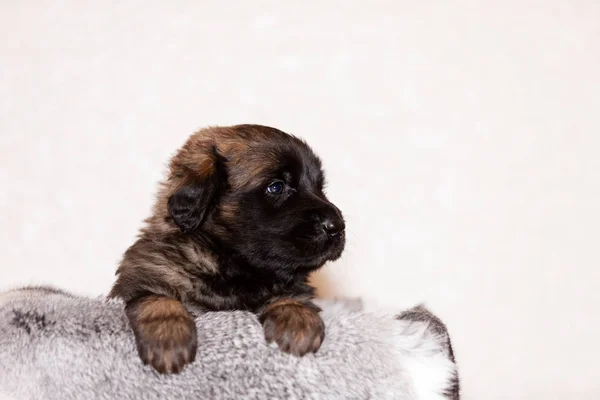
(173, 268)
(165, 332)
(296, 327)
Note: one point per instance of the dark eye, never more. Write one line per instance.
(276, 187)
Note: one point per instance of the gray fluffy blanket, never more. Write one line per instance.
(54, 345)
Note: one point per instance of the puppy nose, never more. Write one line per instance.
(333, 226)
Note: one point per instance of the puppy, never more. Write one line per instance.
(239, 224)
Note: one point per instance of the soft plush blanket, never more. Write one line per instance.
(54, 345)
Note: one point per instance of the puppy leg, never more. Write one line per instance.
(165, 332)
(295, 326)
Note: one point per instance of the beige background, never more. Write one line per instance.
(461, 141)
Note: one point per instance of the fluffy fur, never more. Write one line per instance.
(54, 345)
(238, 225)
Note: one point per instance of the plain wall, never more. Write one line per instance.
(461, 140)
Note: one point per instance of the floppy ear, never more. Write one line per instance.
(191, 203)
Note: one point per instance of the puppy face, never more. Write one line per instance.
(257, 193)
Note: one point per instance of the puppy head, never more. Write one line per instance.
(258, 193)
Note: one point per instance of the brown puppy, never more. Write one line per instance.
(238, 225)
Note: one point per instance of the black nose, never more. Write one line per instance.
(333, 226)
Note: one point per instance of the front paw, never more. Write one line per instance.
(297, 328)
(165, 335)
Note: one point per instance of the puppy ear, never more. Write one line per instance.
(192, 202)
(189, 205)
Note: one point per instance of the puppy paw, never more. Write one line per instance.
(297, 328)
(165, 334)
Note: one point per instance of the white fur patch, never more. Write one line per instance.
(422, 354)
(424, 359)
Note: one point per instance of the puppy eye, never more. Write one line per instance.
(276, 187)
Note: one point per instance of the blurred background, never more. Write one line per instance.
(461, 141)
